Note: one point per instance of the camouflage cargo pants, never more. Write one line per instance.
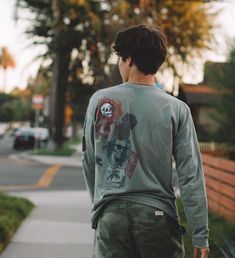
(131, 230)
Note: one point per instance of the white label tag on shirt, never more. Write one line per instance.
(159, 213)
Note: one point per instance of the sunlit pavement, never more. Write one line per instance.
(59, 226)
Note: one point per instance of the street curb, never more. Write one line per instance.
(72, 161)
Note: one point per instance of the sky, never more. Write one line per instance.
(13, 37)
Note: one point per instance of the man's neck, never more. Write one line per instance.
(140, 78)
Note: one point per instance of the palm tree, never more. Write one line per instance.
(6, 61)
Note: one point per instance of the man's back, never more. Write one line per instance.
(133, 140)
(135, 136)
(131, 132)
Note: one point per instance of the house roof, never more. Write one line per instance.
(197, 94)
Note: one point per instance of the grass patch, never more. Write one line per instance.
(74, 140)
(13, 211)
(218, 227)
(67, 149)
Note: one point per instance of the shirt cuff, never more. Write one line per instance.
(200, 242)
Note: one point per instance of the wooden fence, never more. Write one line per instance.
(220, 184)
(217, 149)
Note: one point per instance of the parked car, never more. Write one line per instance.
(28, 138)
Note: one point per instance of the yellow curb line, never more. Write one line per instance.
(43, 182)
(48, 176)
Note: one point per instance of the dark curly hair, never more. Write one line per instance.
(145, 45)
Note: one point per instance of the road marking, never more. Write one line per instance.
(43, 182)
(48, 176)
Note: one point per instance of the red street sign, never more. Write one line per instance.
(37, 102)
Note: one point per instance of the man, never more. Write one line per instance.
(131, 132)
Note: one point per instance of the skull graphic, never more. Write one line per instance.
(106, 109)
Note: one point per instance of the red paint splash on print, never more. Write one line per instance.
(131, 164)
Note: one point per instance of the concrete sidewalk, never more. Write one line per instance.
(59, 227)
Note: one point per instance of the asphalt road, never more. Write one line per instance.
(6, 144)
(21, 175)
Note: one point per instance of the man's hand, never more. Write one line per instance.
(201, 252)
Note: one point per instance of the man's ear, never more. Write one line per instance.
(130, 61)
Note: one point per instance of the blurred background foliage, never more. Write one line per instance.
(77, 36)
(223, 102)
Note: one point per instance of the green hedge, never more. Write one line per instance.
(13, 211)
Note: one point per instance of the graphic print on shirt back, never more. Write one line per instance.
(108, 113)
(115, 128)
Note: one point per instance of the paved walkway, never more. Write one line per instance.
(59, 226)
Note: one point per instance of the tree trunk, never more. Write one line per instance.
(58, 99)
(60, 80)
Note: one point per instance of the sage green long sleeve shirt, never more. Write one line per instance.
(131, 132)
